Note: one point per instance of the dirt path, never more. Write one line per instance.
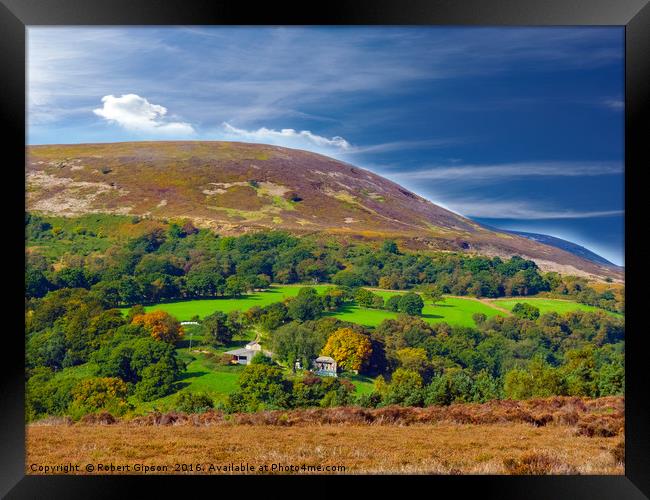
(533, 298)
(487, 302)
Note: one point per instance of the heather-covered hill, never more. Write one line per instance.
(239, 187)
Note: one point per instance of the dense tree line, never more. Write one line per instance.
(71, 320)
(413, 362)
(264, 386)
(129, 355)
(418, 364)
(180, 261)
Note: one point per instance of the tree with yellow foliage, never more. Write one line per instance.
(414, 359)
(351, 350)
(99, 394)
(160, 325)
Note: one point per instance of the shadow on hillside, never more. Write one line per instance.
(186, 375)
(353, 309)
(185, 343)
(345, 308)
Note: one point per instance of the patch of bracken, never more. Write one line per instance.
(102, 418)
(618, 452)
(599, 426)
(604, 417)
(535, 463)
(54, 421)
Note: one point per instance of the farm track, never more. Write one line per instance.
(487, 302)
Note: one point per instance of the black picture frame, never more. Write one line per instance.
(15, 15)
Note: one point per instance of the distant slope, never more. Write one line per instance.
(238, 187)
(573, 248)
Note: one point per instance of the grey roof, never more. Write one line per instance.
(241, 352)
(325, 359)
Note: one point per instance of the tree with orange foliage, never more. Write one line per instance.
(160, 325)
(350, 350)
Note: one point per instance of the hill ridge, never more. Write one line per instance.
(567, 245)
(237, 187)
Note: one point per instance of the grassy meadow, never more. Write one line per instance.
(543, 436)
(203, 374)
(545, 305)
(453, 310)
(185, 310)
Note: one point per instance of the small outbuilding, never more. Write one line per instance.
(246, 354)
(325, 366)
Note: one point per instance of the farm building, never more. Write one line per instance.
(324, 365)
(245, 355)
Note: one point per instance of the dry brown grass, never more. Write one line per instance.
(618, 452)
(427, 449)
(532, 437)
(603, 417)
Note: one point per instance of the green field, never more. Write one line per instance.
(205, 376)
(550, 305)
(364, 385)
(453, 310)
(199, 377)
(185, 310)
(202, 375)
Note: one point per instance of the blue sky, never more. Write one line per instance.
(520, 128)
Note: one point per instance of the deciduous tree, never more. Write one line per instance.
(95, 394)
(350, 349)
(411, 303)
(160, 325)
(306, 305)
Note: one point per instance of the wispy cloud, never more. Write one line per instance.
(481, 173)
(137, 114)
(288, 137)
(249, 76)
(616, 104)
(519, 209)
(336, 145)
(407, 145)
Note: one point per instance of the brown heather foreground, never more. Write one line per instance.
(543, 436)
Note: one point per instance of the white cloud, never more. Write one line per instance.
(407, 145)
(137, 114)
(335, 146)
(303, 139)
(513, 170)
(248, 76)
(515, 209)
(614, 104)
